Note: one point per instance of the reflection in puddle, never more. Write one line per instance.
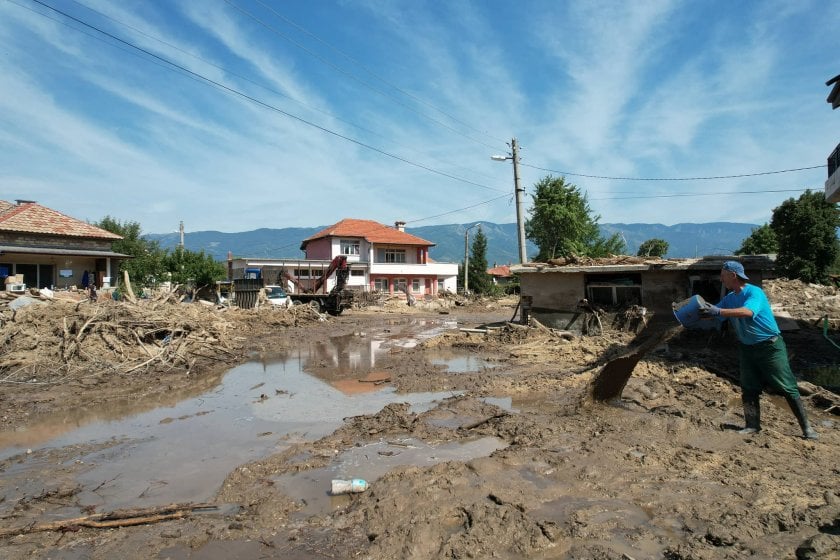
(370, 462)
(460, 363)
(181, 451)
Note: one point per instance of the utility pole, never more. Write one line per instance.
(517, 191)
(466, 259)
(520, 224)
(181, 232)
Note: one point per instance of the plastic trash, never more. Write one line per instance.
(353, 486)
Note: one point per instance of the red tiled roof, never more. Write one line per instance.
(30, 217)
(502, 271)
(374, 232)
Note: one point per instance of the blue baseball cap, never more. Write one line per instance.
(736, 267)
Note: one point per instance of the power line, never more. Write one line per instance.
(710, 178)
(458, 210)
(383, 226)
(270, 89)
(267, 105)
(355, 78)
(202, 79)
(700, 194)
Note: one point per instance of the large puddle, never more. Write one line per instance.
(181, 451)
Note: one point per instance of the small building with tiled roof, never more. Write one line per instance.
(381, 258)
(43, 248)
(501, 275)
(553, 291)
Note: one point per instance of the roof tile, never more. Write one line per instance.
(374, 232)
(30, 217)
(502, 271)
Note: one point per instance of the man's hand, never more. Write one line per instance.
(709, 310)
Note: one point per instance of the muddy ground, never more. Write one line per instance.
(662, 474)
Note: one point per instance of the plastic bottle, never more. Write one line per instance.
(348, 486)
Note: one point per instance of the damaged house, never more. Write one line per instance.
(552, 292)
(43, 248)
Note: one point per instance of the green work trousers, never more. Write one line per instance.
(766, 363)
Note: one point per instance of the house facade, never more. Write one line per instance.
(43, 248)
(553, 291)
(832, 184)
(380, 258)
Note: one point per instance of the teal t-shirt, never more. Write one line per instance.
(758, 328)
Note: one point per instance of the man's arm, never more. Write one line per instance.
(714, 311)
(737, 313)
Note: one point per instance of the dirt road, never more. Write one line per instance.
(662, 475)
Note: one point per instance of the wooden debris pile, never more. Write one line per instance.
(49, 342)
(605, 261)
(806, 302)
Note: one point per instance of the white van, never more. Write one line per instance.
(277, 296)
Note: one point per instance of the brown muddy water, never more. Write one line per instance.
(139, 455)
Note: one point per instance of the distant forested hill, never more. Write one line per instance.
(685, 240)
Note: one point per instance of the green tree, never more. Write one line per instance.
(654, 247)
(562, 223)
(147, 263)
(194, 269)
(807, 233)
(480, 282)
(761, 241)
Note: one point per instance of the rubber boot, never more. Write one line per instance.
(799, 411)
(752, 415)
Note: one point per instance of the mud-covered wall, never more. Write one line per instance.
(661, 288)
(553, 290)
(561, 292)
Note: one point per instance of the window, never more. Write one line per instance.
(619, 289)
(380, 285)
(415, 285)
(354, 272)
(349, 246)
(400, 284)
(390, 255)
(305, 273)
(441, 285)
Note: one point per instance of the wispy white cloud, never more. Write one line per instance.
(650, 89)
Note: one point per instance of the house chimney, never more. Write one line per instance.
(399, 225)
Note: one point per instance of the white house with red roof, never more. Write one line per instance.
(47, 249)
(381, 258)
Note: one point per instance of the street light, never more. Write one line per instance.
(520, 225)
(467, 256)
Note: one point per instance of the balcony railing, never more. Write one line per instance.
(834, 161)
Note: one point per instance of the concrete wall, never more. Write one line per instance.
(662, 288)
(552, 290)
(562, 291)
(319, 249)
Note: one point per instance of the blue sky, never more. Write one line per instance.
(234, 115)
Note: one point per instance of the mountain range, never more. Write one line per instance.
(684, 240)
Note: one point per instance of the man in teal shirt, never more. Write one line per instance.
(762, 352)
